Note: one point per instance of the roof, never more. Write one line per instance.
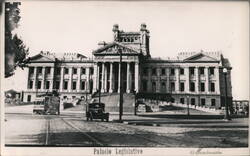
(52, 57)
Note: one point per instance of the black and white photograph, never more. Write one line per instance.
(127, 78)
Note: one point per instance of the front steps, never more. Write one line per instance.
(111, 101)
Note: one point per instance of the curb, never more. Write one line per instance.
(138, 124)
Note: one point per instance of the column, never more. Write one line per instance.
(111, 78)
(207, 80)
(137, 77)
(78, 87)
(95, 77)
(70, 79)
(197, 81)
(217, 80)
(88, 79)
(119, 77)
(103, 78)
(128, 77)
(61, 79)
(35, 79)
(168, 80)
(43, 79)
(149, 80)
(52, 70)
(177, 76)
(187, 82)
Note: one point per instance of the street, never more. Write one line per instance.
(149, 130)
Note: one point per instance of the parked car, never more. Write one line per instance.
(96, 111)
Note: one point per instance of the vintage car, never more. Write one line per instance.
(96, 111)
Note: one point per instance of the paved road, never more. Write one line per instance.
(72, 129)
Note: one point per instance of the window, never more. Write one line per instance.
(73, 97)
(91, 71)
(65, 85)
(83, 71)
(66, 71)
(212, 86)
(39, 84)
(83, 85)
(64, 97)
(172, 85)
(47, 85)
(163, 87)
(30, 84)
(145, 71)
(47, 70)
(182, 100)
(203, 102)
(74, 70)
(31, 70)
(172, 71)
(57, 84)
(211, 70)
(39, 70)
(191, 70)
(213, 102)
(74, 85)
(29, 98)
(192, 86)
(154, 71)
(153, 86)
(58, 71)
(145, 85)
(182, 85)
(181, 71)
(201, 69)
(163, 71)
(202, 86)
(192, 101)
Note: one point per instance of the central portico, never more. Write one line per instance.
(133, 46)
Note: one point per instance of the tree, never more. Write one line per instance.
(15, 50)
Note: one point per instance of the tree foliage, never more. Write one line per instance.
(15, 50)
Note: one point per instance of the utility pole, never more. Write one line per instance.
(99, 82)
(121, 88)
(227, 117)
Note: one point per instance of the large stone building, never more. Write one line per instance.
(194, 76)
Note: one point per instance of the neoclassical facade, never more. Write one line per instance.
(196, 78)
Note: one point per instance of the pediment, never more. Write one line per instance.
(41, 58)
(200, 57)
(113, 48)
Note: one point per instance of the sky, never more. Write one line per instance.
(174, 27)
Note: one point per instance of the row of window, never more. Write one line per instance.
(182, 86)
(129, 39)
(173, 70)
(57, 85)
(58, 70)
(202, 102)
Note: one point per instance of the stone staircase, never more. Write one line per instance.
(111, 101)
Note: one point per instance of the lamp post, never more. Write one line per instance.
(226, 117)
(121, 88)
(135, 112)
(188, 106)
